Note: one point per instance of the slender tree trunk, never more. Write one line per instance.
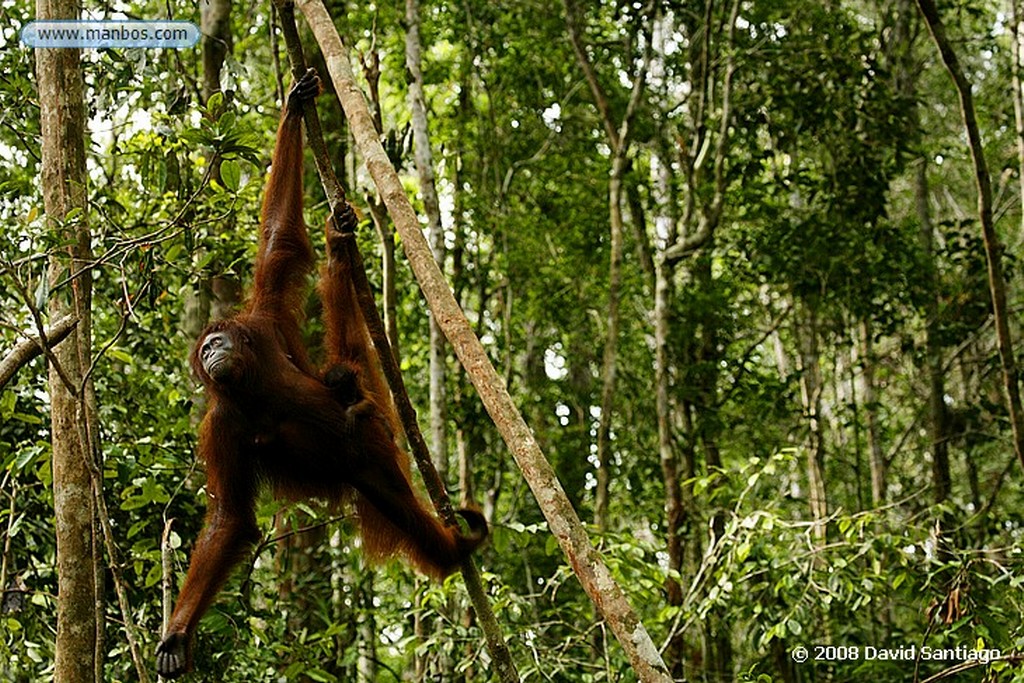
(438, 398)
(368, 634)
(1018, 104)
(907, 73)
(345, 575)
(695, 231)
(707, 426)
(993, 248)
(618, 139)
(295, 562)
(219, 296)
(381, 221)
(869, 399)
(215, 19)
(465, 433)
(938, 415)
(562, 519)
(389, 296)
(215, 25)
(431, 206)
(674, 511)
(62, 124)
(609, 361)
(810, 393)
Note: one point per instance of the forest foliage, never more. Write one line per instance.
(830, 466)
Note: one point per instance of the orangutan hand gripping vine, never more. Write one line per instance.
(273, 418)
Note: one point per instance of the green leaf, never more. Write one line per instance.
(743, 552)
(121, 355)
(25, 457)
(231, 174)
(154, 575)
(7, 402)
(42, 292)
(215, 102)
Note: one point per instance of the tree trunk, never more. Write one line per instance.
(345, 575)
(618, 139)
(707, 427)
(368, 633)
(907, 74)
(389, 296)
(993, 248)
(869, 399)
(467, 435)
(609, 361)
(431, 206)
(381, 221)
(215, 299)
(215, 19)
(695, 230)
(62, 124)
(674, 511)
(810, 394)
(299, 540)
(215, 25)
(938, 415)
(1018, 104)
(562, 519)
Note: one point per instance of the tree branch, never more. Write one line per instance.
(31, 347)
(344, 220)
(572, 21)
(711, 216)
(587, 563)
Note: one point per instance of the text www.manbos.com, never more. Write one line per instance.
(107, 34)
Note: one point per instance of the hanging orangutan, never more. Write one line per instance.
(273, 419)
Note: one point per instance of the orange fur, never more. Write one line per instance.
(273, 418)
